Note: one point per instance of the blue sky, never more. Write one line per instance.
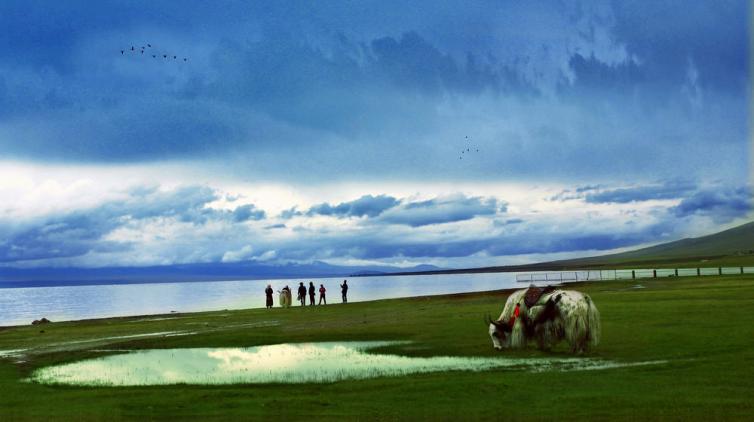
(338, 131)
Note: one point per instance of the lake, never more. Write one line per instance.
(20, 306)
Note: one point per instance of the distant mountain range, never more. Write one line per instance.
(731, 247)
(21, 277)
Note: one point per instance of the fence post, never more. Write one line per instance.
(633, 275)
(742, 270)
(698, 272)
(654, 273)
(720, 270)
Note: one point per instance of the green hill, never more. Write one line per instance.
(730, 247)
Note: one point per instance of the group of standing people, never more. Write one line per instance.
(302, 293)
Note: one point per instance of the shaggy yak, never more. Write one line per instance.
(548, 316)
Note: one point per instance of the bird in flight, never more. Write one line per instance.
(468, 149)
(156, 55)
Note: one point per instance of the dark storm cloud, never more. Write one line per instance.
(248, 212)
(366, 206)
(508, 222)
(443, 210)
(668, 35)
(301, 90)
(721, 204)
(532, 239)
(411, 62)
(603, 194)
(669, 190)
(80, 232)
(595, 77)
(290, 213)
(384, 209)
(62, 237)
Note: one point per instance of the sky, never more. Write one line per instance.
(450, 133)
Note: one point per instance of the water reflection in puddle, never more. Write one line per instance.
(281, 363)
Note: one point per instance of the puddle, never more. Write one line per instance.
(596, 365)
(188, 333)
(11, 353)
(255, 324)
(281, 363)
(102, 341)
(156, 319)
(130, 336)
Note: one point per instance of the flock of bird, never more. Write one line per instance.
(147, 50)
(469, 149)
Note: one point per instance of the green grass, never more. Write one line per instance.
(703, 326)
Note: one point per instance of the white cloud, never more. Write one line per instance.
(155, 222)
(242, 254)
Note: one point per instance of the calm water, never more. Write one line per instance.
(20, 306)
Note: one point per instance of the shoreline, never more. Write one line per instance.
(172, 314)
(659, 265)
(459, 295)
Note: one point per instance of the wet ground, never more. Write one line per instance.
(283, 363)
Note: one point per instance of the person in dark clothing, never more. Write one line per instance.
(302, 293)
(322, 291)
(268, 293)
(312, 291)
(344, 291)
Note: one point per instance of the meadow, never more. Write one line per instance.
(700, 328)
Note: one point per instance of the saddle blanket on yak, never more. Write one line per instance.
(533, 293)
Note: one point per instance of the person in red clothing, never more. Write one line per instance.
(516, 313)
(322, 291)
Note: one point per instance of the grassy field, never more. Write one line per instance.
(703, 327)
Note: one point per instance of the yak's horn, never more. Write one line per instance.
(498, 324)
